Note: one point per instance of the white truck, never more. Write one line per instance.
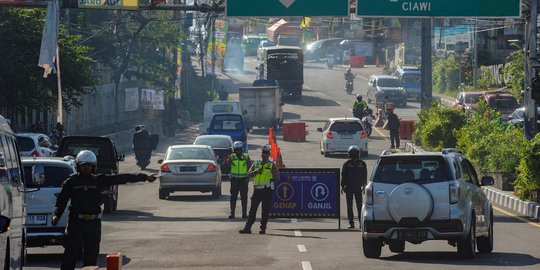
(214, 107)
(262, 106)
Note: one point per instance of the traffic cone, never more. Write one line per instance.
(377, 62)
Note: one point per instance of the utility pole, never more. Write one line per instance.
(426, 80)
(531, 63)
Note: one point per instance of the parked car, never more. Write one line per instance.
(338, 134)
(317, 49)
(468, 100)
(260, 50)
(385, 86)
(518, 116)
(501, 101)
(189, 168)
(43, 177)
(107, 161)
(416, 197)
(36, 145)
(222, 145)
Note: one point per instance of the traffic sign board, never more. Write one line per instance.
(438, 8)
(268, 8)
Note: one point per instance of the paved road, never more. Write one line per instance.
(191, 230)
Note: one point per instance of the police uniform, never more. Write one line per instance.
(262, 193)
(239, 183)
(353, 178)
(84, 223)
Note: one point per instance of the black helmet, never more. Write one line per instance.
(353, 151)
(348, 69)
(358, 97)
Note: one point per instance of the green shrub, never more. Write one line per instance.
(452, 79)
(529, 170)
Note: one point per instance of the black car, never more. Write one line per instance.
(107, 161)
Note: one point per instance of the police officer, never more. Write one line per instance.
(264, 173)
(353, 179)
(84, 224)
(359, 106)
(239, 163)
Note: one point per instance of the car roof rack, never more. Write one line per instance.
(392, 151)
(450, 150)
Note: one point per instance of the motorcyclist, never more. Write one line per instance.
(359, 107)
(141, 146)
(349, 78)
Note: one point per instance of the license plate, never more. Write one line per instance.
(188, 169)
(412, 235)
(36, 219)
(346, 136)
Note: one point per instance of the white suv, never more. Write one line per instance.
(415, 197)
(43, 179)
(338, 134)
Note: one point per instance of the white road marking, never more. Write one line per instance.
(294, 220)
(307, 87)
(302, 248)
(298, 233)
(306, 265)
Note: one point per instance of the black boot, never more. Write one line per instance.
(245, 231)
(351, 224)
(263, 230)
(233, 208)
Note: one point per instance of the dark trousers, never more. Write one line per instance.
(143, 157)
(82, 235)
(394, 138)
(357, 194)
(260, 195)
(239, 185)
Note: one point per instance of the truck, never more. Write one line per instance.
(284, 33)
(284, 64)
(262, 106)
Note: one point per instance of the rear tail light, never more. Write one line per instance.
(329, 135)
(211, 168)
(165, 168)
(363, 134)
(453, 193)
(369, 195)
(35, 153)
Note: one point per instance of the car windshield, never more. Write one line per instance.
(101, 149)
(214, 142)
(503, 103)
(403, 169)
(267, 44)
(25, 143)
(189, 153)
(227, 122)
(472, 98)
(349, 126)
(388, 83)
(54, 176)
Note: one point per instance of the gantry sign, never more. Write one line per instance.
(287, 8)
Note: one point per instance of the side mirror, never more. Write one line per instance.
(4, 224)
(38, 175)
(121, 157)
(319, 129)
(160, 161)
(487, 181)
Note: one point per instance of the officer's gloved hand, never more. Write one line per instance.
(151, 178)
(272, 185)
(55, 220)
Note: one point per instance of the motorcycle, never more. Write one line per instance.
(349, 87)
(367, 121)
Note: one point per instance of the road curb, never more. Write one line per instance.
(501, 198)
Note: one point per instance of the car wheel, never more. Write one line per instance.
(216, 193)
(466, 248)
(163, 194)
(485, 243)
(397, 246)
(108, 205)
(372, 248)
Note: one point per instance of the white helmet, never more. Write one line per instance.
(353, 150)
(86, 157)
(238, 145)
(266, 148)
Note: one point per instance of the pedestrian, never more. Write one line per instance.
(264, 173)
(83, 191)
(38, 127)
(57, 133)
(393, 125)
(353, 181)
(239, 162)
(141, 146)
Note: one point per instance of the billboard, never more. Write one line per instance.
(24, 3)
(306, 193)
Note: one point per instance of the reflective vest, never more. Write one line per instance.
(239, 166)
(263, 178)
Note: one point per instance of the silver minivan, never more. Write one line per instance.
(43, 179)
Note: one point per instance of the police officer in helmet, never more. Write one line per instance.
(239, 162)
(83, 189)
(359, 106)
(353, 180)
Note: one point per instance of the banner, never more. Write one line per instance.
(217, 46)
(158, 102)
(306, 193)
(147, 95)
(131, 100)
